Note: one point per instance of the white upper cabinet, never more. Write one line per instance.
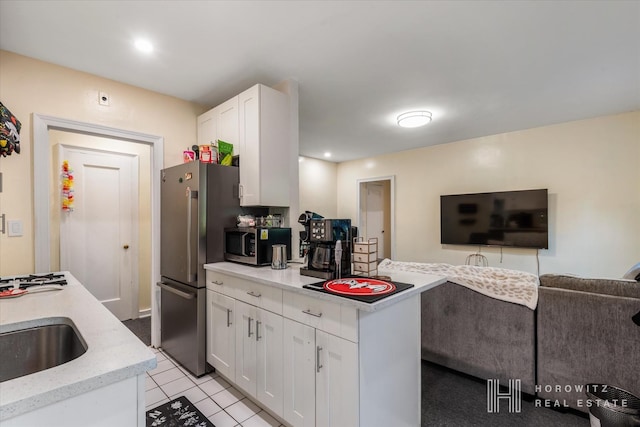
(228, 128)
(208, 127)
(220, 122)
(264, 147)
(256, 122)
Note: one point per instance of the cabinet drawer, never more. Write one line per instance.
(222, 283)
(364, 257)
(327, 316)
(364, 266)
(365, 248)
(263, 296)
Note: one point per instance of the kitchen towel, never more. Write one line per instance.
(177, 413)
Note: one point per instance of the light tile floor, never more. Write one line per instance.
(222, 404)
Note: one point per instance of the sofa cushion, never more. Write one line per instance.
(613, 287)
(478, 335)
(582, 338)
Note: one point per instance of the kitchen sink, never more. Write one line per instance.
(34, 349)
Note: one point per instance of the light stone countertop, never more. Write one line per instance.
(290, 279)
(114, 353)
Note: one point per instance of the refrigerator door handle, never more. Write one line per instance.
(185, 295)
(191, 196)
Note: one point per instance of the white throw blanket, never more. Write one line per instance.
(507, 285)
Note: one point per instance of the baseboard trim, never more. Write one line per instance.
(144, 313)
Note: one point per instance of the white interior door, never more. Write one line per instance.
(98, 239)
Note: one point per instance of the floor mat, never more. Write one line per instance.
(177, 413)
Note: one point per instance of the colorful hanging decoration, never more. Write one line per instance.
(67, 187)
(9, 132)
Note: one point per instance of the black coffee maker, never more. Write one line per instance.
(305, 220)
(323, 247)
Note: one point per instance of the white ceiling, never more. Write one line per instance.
(481, 67)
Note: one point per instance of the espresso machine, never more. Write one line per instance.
(328, 247)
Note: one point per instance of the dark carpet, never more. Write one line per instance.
(141, 328)
(450, 398)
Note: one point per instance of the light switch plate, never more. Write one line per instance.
(14, 228)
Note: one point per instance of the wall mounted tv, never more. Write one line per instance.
(506, 218)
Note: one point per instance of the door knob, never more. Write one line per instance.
(126, 246)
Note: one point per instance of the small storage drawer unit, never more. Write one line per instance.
(365, 256)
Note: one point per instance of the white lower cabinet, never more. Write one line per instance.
(321, 378)
(221, 338)
(314, 362)
(300, 375)
(258, 350)
(337, 397)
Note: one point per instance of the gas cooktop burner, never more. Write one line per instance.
(30, 280)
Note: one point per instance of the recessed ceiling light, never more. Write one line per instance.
(327, 154)
(143, 45)
(414, 119)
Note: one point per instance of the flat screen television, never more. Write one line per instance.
(505, 218)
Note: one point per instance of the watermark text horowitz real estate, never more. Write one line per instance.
(580, 403)
(513, 396)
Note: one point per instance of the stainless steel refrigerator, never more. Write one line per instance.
(197, 202)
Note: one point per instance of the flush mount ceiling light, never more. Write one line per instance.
(414, 119)
(327, 154)
(143, 45)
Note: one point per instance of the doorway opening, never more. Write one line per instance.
(376, 210)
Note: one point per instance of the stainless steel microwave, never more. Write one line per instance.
(253, 245)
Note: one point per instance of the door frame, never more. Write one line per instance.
(392, 207)
(41, 201)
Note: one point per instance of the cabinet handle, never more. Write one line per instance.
(218, 283)
(318, 365)
(240, 192)
(249, 333)
(253, 294)
(258, 330)
(229, 317)
(309, 312)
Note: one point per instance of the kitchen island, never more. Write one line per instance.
(312, 358)
(102, 387)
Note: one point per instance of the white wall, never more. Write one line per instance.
(591, 168)
(30, 86)
(318, 182)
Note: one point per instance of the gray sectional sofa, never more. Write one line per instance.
(582, 331)
(588, 331)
